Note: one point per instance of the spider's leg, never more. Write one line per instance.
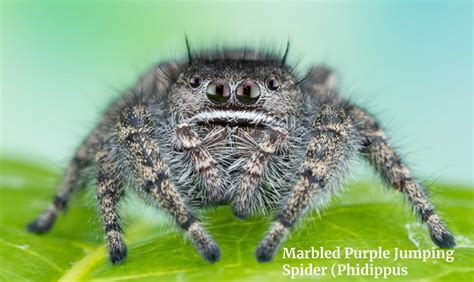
(253, 171)
(319, 77)
(328, 153)
(154, 82)
(389, 165)
(109, 192)
(204, 164)
(82, 158)
(135, 134)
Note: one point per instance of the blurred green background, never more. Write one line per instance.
(408, 62)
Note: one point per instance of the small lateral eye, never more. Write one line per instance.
(272, 83)
(195, 80)
(248, 92)
(218, 92)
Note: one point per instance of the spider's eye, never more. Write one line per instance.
(195, 80)
(272, 83)
(248, 92)
(218, 92)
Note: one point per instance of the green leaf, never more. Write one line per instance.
(366, 216)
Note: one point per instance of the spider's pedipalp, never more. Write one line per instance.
(328, 153)
(204, 163)
(135, 134)
(253, 171)
(389, 165)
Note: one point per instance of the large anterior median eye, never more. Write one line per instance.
(248, 92)
(218, 92)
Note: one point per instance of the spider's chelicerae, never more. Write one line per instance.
(232, 127)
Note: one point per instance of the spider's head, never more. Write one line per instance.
(236, 88)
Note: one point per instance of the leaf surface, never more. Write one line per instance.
(366, 216)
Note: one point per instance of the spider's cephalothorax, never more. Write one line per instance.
(238, 128)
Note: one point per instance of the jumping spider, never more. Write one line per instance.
(232, 127)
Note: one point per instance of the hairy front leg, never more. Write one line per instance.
(253, 171)
(109, 192)
(135, 134)
(204, 164)
(322, 169)
(386, 161)
(81, 159)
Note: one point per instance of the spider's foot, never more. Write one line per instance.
(42, 224)
(240, 213)
(443, 240)
(270, 245)
(203, 243)
(211, 253)
(218, 198)
(118, 254)
(39, 227)
(264, 253)
(439, 233)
